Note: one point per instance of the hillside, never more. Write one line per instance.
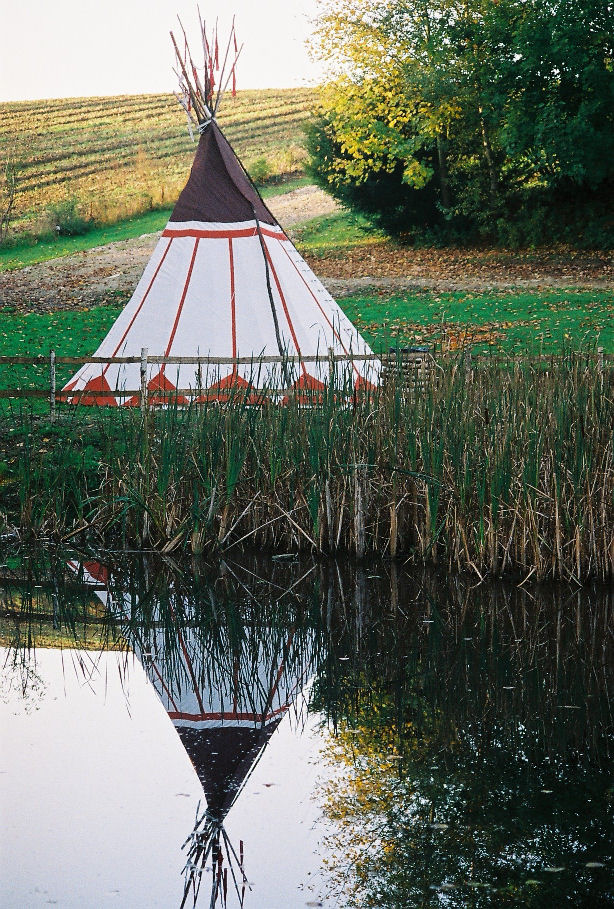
(119, 156)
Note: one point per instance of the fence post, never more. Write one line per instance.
(52, 384)
(144, 352)
(600, 362)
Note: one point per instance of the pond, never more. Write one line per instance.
(285, 733)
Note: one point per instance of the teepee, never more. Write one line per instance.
(224, 283)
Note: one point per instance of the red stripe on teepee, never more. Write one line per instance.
(223, 233)
(181, 302)
(238, 717)
(164, 685)
(281, 667)
(140, 306)
(188, 661)
(283, 303)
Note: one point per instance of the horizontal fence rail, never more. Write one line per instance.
(413, 363)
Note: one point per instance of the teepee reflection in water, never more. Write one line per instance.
(226, 683)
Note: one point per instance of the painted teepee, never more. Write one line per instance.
(223, 282)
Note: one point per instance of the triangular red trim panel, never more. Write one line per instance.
(164, 392)
(362, 384)
(233, 386)
(309, 384)
(98, 383)
(97, 571)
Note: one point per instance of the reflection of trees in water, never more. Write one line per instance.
(474, 729)
(473, 725)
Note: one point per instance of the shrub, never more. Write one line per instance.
(67, 220)
(260, 170)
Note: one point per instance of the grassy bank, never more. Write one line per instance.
(505, 469)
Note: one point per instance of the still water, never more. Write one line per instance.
(286, 734)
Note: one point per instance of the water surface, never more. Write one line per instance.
(287, 734)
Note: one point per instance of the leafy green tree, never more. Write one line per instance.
(468, 115)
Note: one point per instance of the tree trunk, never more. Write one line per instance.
(444, 184)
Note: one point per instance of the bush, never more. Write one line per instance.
(67, 221)
(260, 170)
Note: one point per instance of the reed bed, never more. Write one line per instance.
(503, 468)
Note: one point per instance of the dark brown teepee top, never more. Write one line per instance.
(218, 188)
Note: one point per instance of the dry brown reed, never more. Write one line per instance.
(501, 468)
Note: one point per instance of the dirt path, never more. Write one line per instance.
(108, 274)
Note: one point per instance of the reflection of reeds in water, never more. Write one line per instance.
(476, 641)
(505, 667)
(474, 745)
(506, 468)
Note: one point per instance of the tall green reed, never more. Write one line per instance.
(508, 467)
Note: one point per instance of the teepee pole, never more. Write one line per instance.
(219, 91)
(196, 104)
(238, 54)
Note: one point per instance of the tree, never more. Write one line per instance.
(466, 111)
(8, 192)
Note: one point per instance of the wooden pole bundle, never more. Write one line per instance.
(198, 95)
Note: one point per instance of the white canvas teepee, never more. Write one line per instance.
(223, 282)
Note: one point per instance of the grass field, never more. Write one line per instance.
(515, 323)
(35, 249)
(123, 155)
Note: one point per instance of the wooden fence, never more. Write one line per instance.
(415, 363)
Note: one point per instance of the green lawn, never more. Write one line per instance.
(342, 230)
(549, 322)
(538, 321)
(70, 333)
